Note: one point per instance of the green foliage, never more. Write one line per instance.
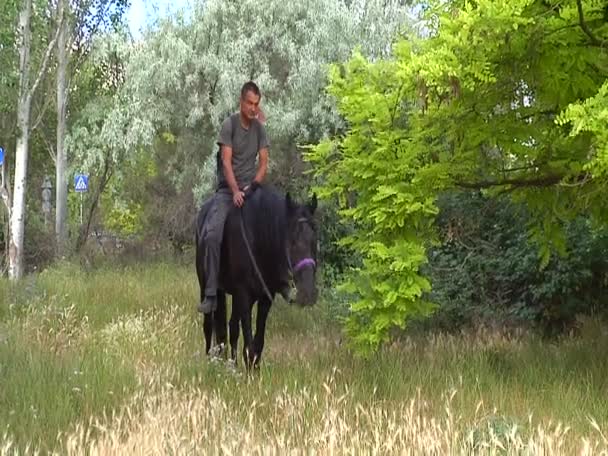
(487, 272)
(475, 104)
(42, 33)
(9, 75)
(162, 100)
(184, 77)
(124, 202)
(124, 219)
(40, 243)
(590, 117)
(389, 213)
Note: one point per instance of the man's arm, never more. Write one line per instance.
(262, 166)
(264, 144)
(227, 165)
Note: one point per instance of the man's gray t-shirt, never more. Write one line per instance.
(245, 143)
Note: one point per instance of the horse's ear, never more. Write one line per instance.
(291, 205)
(312, 206)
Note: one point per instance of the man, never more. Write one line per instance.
(242, 139)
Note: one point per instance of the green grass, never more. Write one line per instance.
(88, 356)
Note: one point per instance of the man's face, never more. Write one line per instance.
(249, 105)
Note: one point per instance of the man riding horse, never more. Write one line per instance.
(242, 139)
(263, 244)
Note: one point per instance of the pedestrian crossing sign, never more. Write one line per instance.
(81, 183)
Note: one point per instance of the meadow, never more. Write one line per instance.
(110, 361)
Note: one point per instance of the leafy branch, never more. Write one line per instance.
(595, 40)
(543, 181)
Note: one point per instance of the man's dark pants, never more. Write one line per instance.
(212, 235)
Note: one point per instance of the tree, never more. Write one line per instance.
(98, 138)
(8, 98)
(78, 23)
(481, 102)
(9, 76)
(184, 77)
(61, 187)
(26, 91)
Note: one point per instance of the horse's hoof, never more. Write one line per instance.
(231, 366)
(216, 352)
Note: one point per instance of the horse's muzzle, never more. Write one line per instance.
(306, 298)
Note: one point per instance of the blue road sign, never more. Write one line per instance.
(81, 183)
(1, 156)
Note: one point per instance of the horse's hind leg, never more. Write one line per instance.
(208, 318)
(260, 328)
(241, 313)
(208, 331)
(248, 350)
(220, 322)
(234, 329)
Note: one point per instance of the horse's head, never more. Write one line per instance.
(302, 249)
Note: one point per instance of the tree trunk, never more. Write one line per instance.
(5, 194)
(61, 165)
(15, 269)
(103, 182)
(24, 39)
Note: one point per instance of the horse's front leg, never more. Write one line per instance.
(219, 324)
(234, 328)
(208, 331)
(245, 305)
(260, 329)
(208, 318)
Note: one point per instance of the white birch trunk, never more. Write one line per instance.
(17, 228)
(61, 196)
(15, 269)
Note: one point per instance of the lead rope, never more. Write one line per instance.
(255, 265)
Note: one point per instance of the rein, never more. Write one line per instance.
(300, 265)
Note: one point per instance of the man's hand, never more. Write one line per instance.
(254, 186)
(249, 189)
(238, 198)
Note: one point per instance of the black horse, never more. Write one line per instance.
(267, 242)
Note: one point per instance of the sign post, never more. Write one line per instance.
(2, 166)
(81, 185)
(47, 188)
(4, 192)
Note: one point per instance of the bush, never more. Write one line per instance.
(39, 242)
(487, 270)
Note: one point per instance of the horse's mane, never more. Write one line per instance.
(265, 217)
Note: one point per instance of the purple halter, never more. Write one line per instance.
(303, 263)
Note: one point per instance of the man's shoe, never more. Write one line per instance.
(208, 305)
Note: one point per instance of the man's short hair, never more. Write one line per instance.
(250, 86)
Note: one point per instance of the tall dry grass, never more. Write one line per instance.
(196, 421)
(121, 372)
